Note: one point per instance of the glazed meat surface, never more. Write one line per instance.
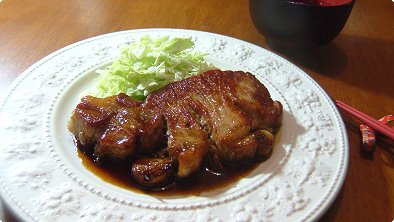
(218, 116)
(110, 124)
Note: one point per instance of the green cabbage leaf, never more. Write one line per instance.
(148, 65)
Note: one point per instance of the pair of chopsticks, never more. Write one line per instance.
(371, 122)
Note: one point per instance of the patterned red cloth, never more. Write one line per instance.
(368, 134)
(322, 2)
(368, 138)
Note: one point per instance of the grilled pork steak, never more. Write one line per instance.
(111, 124)
(224, 116)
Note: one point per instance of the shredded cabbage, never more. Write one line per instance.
(148, 65)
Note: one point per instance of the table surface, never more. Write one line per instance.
(355, 67)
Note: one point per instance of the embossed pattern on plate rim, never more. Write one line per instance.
(339, 177)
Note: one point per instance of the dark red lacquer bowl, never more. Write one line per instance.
(299, 23)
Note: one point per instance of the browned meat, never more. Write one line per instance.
(152, 172)
(223, 116)
(119, 140)
(187, 140)
(110, 125)
(225, 106)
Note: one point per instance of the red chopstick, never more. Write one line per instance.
(371, 122)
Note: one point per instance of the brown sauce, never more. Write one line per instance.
(118, 174)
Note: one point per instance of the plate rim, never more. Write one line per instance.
(317, 213)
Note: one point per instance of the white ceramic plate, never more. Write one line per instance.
(42, 178)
